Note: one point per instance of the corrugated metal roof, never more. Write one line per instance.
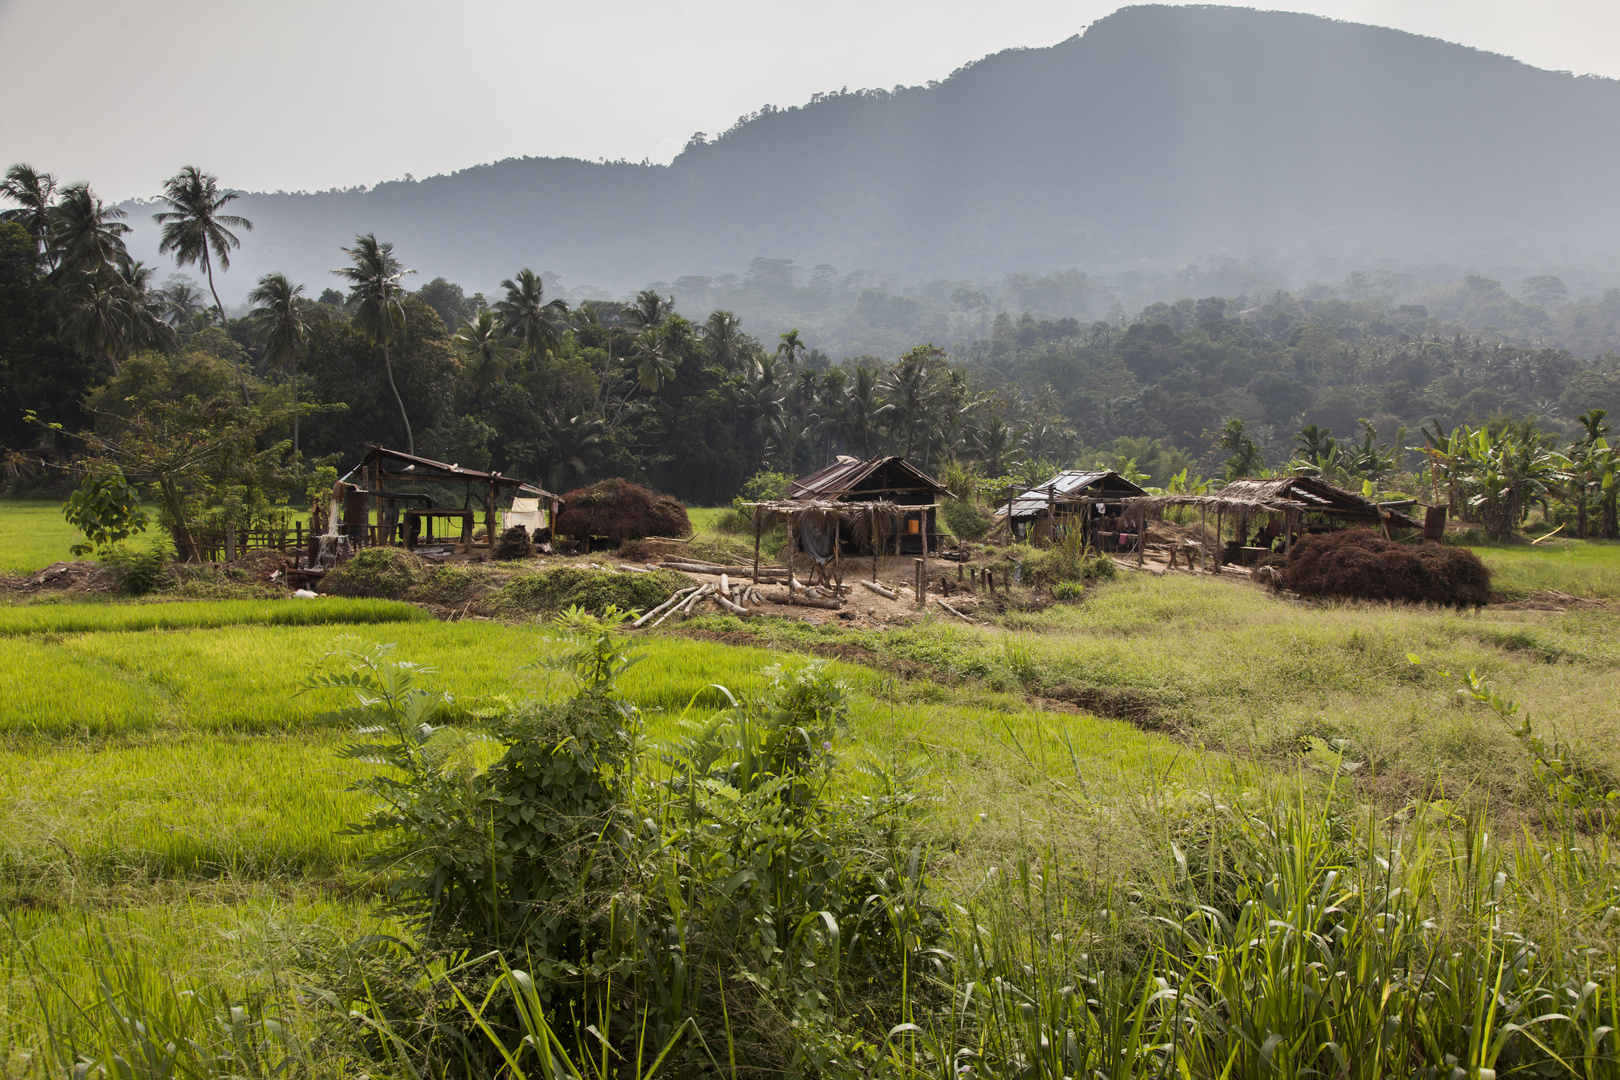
(1067, 485)
(428, 466)
(839, 478)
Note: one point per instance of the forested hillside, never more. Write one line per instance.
(1158, 136)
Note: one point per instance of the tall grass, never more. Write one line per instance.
(1283, 938)
(202, 615)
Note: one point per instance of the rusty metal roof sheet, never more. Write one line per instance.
(431, 471)
(1068, 485)
(838, 479)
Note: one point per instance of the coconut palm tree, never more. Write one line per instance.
(181, 300)
(654, 364)
(109, 313)
(649, 309)
(32, 191)
(280, 326)
(722, 334)
(86, 235)
(194, 230)
(487, 348)
(375, 282)
(526, 314)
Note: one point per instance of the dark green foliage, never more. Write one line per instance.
(968, 520)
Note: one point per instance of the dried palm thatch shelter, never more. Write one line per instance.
(893, 480)
(394, 497)
(1266, 514)
(1040, 514)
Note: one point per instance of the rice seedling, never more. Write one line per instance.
(201, 615)
(33, 534)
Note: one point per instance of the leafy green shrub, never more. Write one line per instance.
(621, 893)
(141, 568)
(106, 509)
(1071, 559)
(968, 520)
(382, 572)
(594, 591)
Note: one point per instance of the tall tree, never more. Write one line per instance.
(790, 348)
(649, 309)
(279, 324)
(527, 315)
(722, 333)
(33, 191)
(487, 349)
(376, 284)
(196, 231)
(86, 235)
(110, 312)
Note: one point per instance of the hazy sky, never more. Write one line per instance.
(306, 95)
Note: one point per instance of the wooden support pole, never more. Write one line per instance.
(1141, 536)
(1203, 538)
(1220, 513)
(757, 520)
(919, 581)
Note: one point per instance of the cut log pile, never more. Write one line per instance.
(738, 597)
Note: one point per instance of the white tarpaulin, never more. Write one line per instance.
(527, 513)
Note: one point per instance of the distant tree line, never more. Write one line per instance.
(527, 384)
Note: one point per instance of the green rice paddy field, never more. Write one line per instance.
(171, 800)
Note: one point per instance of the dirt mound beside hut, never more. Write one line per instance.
(620, 511)
(1359, 564)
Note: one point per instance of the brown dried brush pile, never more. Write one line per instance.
(514, 543)
(1359, 564)
(620, 511)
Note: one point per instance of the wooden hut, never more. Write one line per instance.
(394, 497)
(1327, 506)
(913, 494)
(1072, 497)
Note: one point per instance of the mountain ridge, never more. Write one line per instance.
(1160, 134)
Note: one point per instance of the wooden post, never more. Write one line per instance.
(920, 581)
(230, 541)
(489, 516)
(793, 539)
(1203, 538)
(871, 535)
(1220, 513)
(756, 544)
(1288, 533)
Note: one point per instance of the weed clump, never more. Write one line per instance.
(620, 511)
(140, 568)
(594, 591)
(1359, 564)
(381, 572)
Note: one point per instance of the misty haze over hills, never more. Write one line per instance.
(1160, 137)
